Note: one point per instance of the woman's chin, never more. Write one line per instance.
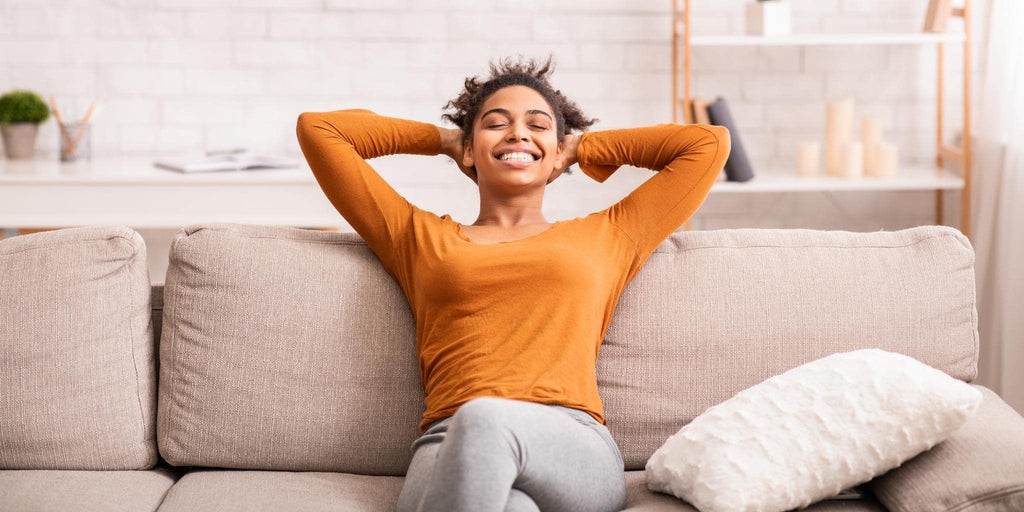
(521, 180)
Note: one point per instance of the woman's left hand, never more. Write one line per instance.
(570, 143)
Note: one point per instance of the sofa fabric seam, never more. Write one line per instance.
(171, 365)
(360, 241)
(986, 497)
(70, 242)
(911, 244)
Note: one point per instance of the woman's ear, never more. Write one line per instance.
(560, 156)
(467, 154)
(559, 163)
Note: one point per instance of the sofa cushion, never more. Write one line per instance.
(84, 491)
(77, 368)
(641, 499)
(810, 432)
(979, 468)
(285, 349)
(715, 312)
(242, 491)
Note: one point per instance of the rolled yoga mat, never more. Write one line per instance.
(737, 166)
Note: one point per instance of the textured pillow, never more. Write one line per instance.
(810, 432)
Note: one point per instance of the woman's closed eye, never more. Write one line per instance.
(534, 126)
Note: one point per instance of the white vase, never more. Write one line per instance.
(768, 18)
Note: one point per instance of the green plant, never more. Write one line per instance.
(21, 106)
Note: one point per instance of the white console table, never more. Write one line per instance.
(44, 193)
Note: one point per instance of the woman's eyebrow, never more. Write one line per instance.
(496, 110)
(509, 114)
(538, 112)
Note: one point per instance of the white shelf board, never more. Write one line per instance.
(909, 178)
(139, 171)
(829, 39)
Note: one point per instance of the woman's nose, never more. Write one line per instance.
(518, 132)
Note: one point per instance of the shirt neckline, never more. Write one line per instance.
(462, 236)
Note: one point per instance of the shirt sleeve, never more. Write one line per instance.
(688, 159)
(336, 145)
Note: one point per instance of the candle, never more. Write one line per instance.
(888, 160)
(838, 131)
(870, 137)
(807, 158)
(852, 161)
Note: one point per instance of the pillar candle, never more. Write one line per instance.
(888, 160)
(851, 165)
(870, 137)
(838, 131)
(807, 158)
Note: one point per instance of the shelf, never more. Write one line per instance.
(829, 39)
(44, 193)
(138, 171)
(911, 178)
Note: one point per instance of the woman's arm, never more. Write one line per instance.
(688, 159)
(336, 145)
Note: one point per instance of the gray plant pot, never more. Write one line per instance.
(19, 139)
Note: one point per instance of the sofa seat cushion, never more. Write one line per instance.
(640, 499)
(243, 491)
(84, 491)
(234, 490)
(78, 385)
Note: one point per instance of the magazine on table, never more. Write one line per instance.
(228, 160)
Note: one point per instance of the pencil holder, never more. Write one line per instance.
(75, 142)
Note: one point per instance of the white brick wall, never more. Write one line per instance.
(185, 74)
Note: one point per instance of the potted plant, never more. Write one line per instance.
(21, 112)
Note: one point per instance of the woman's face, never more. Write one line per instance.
(515, 140)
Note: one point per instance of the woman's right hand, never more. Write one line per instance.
(451, 145)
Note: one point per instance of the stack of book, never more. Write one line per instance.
(737, 167)
(229, 160)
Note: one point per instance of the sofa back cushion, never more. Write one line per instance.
(293, 349)
(714, 312)
(284, 348)
(77, 367)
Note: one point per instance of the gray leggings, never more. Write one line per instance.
(496, 454)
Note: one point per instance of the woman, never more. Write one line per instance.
(511, 310)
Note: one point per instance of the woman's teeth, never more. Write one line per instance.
(516, 157)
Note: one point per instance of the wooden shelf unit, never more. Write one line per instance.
(937, 178)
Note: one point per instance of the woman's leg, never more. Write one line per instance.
(422, 466)
(417, 477)
(560, 458)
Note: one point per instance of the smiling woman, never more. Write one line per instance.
(512, 309)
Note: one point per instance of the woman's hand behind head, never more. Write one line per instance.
(452, 146)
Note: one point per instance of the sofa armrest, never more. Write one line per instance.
(980, 467)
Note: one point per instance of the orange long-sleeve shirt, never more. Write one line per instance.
(522, 319)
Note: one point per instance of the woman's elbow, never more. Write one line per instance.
(304, 124)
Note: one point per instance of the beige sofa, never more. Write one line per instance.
(276, 369)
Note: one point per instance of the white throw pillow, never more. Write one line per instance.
(808, 433)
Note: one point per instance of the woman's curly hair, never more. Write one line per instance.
(528, 72)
